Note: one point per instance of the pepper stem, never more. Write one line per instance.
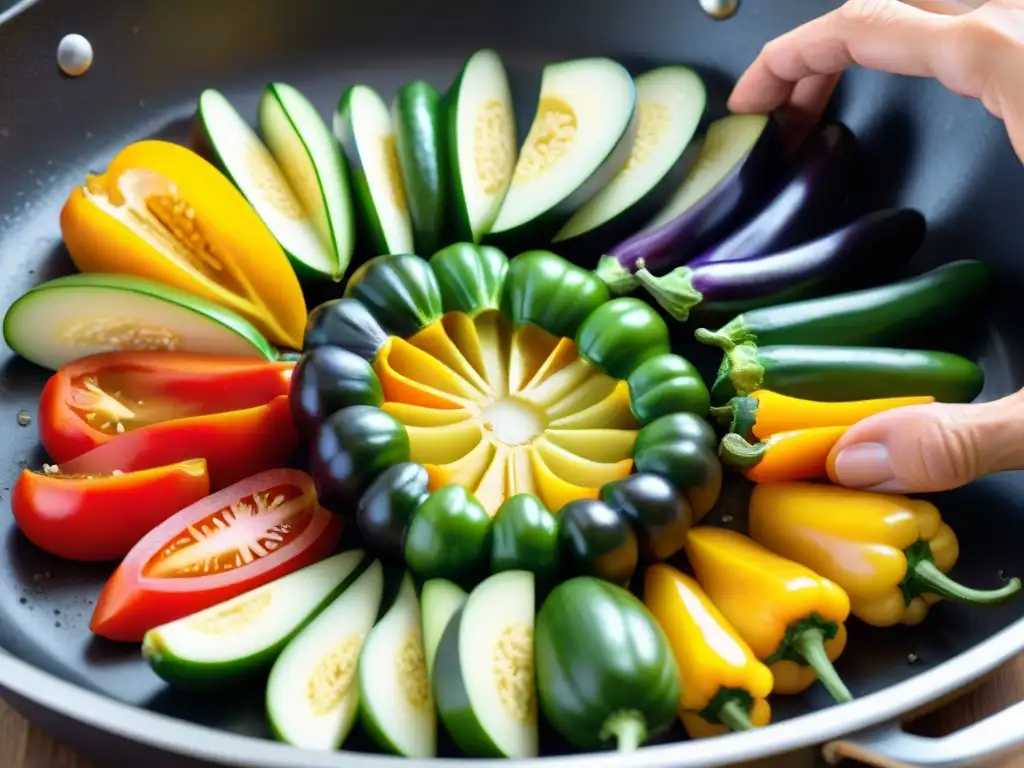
(674, 291)
(737, 453)
(618, 279)
(722, 414)
(732, 715)
(927, 578)
(714, 339)
(627, 728)
(810, 644)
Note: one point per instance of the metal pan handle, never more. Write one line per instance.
(889, 746)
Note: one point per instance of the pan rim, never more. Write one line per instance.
(175, 736)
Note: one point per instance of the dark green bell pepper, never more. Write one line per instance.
(683, 448)
(471, 277)
(665, 384)
(386, 508)
(544, 289)
(449, 536)
(525, 538)
(344, 323)
(327, 379)
(595, 540)
(658, 511)
(350, 449)
(620, 335)
(399, 290)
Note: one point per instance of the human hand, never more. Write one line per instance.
(974, 48)
(977, 50)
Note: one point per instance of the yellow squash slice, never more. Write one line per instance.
(467, 471)
(443, 445)
(601, 445)
(422, 416)
(560, 384)
(553, 490)
(579, 471)
(435, 341)
(589, 393)
(611, 413)
(410, 375)
(531, 347)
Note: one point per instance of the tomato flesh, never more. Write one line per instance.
(241, 537)
(101, 517)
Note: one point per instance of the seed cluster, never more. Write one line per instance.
(551, 136)
(121, 334)
(653, 121)
(493, 146)
(334, 675)
(189, 242)
(268, 179)
(412, 670)
(233, 618)
(513, 670)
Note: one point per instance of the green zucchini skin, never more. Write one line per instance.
(833, 373)
(887, 314)
(602, 659)
(420, 138)
(471, 278)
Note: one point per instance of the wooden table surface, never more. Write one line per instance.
(24, 746)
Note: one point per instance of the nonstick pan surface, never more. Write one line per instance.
(921, 145)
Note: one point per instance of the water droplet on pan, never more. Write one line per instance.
(74, 55)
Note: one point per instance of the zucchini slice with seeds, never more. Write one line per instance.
(581, 137)
(87, 313)
(307, 154)
(241, 636)
(362, 124)
(395, 704)
(482, 146)
(313, 691)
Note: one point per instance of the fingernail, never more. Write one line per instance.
(864, 465)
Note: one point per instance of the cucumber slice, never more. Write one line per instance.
(395, 704)
(420, 138)
(362, 124)
(440, 600)
(482, 146)
(670, 105)
(249, 164)
(312, 691)
(302, 144)
(241, 636)
(581, 136)
(484, 682)
(87, 313)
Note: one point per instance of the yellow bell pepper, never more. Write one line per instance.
(162, 212)
(889, 553)
(724, 686)
(792, 618)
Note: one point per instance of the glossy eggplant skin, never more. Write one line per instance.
(804, 205)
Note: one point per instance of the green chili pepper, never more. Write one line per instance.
(595, 540)
(620, 335)
(399, 290)
(888, 314)
(665, 384)
(660, 514)
(388, 505)
(525, 538)
(682, 448)
(449, 536)
(471, 277)
(847, 373)
(544, 289)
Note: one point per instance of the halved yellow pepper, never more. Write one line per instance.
(435, 341)
(162, 212)
(613, 412)
(443, 445)
(560, 384)
(579, 471)
(561, 357)
(466, 471)
(553, 490)
(421, 416)
(530, 349)
(603, 445)
(409, 375)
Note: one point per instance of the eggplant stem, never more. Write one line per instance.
(714, 339)
(674, 291)
(619, 280)
(810, 644)
(928, 579)
(737, 453)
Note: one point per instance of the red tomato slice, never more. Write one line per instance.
(95, 399)
(240, 538)
(101, 517)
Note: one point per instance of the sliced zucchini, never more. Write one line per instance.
(249, 164)
(419, 123)
(312, 691)
(395, 704)
(87, 313)
(723, 149)
(484, 683)
(481, 144)
(304, 149)
(241, 636)
(670, 106)
(440, 600)
(581, 136)
(362, 124)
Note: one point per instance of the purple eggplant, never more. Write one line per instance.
(806, 204)
(866, 251)
(740, 160)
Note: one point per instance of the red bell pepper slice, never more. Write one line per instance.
(91, 401)
(235, 444)
(240, 538)
(101, 517)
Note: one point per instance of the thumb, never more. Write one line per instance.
(926, 448)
